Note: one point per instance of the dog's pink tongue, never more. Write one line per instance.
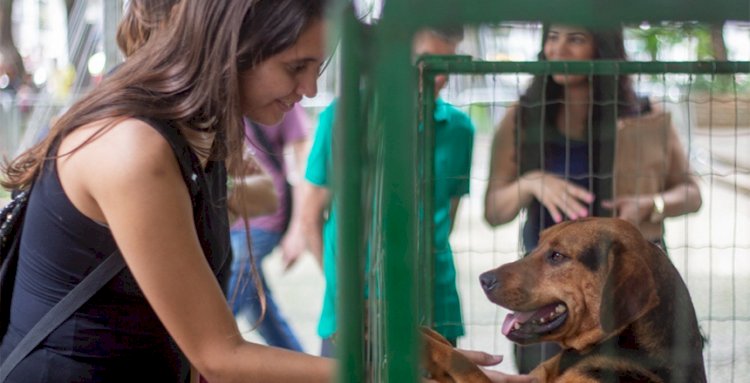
(513, 318)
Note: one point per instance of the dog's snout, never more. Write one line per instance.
(488, 281)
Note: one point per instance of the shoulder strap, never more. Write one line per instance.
(266, 145)
(189, 164)
(103, 273)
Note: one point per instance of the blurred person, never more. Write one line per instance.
(280, 228)
(454, 137)
(556, 179)
(142, 20)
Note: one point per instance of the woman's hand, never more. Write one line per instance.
(484, 359)
(557, 195)
(292, 246)
(634, 209)
(249, 166)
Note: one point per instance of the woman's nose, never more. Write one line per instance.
(561, 50)
(308, 85)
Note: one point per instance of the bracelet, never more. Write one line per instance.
(658, 213)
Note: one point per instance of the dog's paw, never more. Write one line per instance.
(442, 363)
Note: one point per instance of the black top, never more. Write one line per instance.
(569, 159)
(116, 336)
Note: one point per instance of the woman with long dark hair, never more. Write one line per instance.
(554, 153)
(138, 165)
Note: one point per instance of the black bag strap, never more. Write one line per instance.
(111, 266)
(274, 157)
(266, 146)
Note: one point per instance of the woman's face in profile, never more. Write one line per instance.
(569, 43)
(270, 89)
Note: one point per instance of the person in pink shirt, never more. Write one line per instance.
(281, 228)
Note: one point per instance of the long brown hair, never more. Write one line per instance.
(186, 76)
(141, 20)
(544, 100)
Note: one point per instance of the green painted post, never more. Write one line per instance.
(400, 239)
(427, 251)
(418, 13)
(427, 143)
(396, 104)
(348, 154)
(434, 65)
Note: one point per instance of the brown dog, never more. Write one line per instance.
(613, 300)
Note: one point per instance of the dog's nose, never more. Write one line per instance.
(488, 281)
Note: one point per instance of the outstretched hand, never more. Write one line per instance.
(484, 359)
(292, 247)
(249, 166)
(557, 195)
(634, 209)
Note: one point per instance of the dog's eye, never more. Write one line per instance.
(555, 258)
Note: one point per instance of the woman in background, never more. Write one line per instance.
(553, 153)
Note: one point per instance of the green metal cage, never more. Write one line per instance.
(383, 168)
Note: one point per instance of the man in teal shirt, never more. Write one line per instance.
(454, 137)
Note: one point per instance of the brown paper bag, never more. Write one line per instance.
(642, 154)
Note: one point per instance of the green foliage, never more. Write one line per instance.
(656, 37)
(660, 36)
(720, 84)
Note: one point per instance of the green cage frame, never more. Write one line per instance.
(379, 91)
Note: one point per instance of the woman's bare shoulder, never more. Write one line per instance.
(117, 148)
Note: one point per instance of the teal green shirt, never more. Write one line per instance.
(454, 140)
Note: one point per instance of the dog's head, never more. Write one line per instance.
(587, 279)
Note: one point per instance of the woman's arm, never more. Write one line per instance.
(293, 244)
(504, 197)
(683, 195)
(680, 196)
(133, 181)
(316, 201)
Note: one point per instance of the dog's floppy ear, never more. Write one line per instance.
(629, 290)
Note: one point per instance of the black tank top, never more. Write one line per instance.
(116, 336)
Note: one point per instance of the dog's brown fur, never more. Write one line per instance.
(441, 362)
(446, 365)
(629, 313)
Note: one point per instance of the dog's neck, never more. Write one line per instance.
(585, 340)
(647, 370)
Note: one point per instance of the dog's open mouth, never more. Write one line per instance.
(529, 325)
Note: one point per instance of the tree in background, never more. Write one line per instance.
(718, 43)
(710, 38)
(11, 62)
